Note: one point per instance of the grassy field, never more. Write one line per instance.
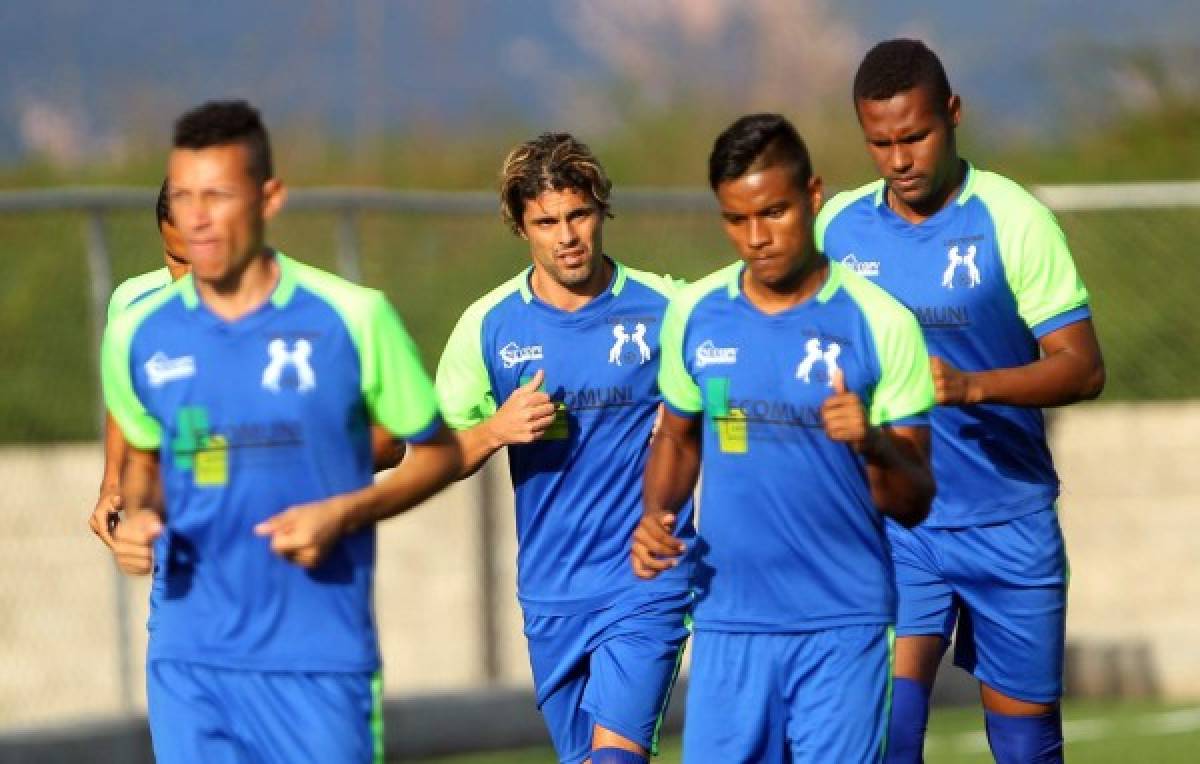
(433, 266)
(1096, 732)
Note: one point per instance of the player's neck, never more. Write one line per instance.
(797, 288)
(936, 202)
(571, 298)
(243, 291)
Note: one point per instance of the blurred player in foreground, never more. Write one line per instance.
(559, 364)
(246, 392)
(986, 269)
(802, 392)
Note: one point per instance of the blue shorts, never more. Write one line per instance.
(613, 667)
(200, 713)
(1004, 584)
(818, 696)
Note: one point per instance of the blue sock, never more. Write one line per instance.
(1025, 739)
(617, 756)
(910, 716)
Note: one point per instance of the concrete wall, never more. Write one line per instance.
(1130, 490)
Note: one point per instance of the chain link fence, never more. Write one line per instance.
(71, 630)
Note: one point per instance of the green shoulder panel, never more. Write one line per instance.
(676, 384)
(141, 430)
(395, 386)
(464, 389)
(1033, 249)
(132, 288)
(664, 284)
(905, 386)
(840, 201)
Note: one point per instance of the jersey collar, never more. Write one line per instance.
(614, 288)
(833, 281)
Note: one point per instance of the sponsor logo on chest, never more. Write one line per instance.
(513, 354)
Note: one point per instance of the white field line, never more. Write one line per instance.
(1076, 730)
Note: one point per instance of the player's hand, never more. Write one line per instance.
(526, 415)
(133, 541)
(844, 417)
(655, 547)
(106, 514)
(951, 385)
(303, 534)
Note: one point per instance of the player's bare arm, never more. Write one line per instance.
(671, 472)
(1071, 369)
(898, 471)
(386, 451)
(109, 501)
(303, 534)
(523, 418)
(133, 537)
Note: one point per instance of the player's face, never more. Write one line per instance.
(219, 208)
(769, 219)
(910, 137)
(174, 249)
(564, 229)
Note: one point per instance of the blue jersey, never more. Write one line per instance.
(986, 277)
(250, 417)
(789, 538)
(578, 488)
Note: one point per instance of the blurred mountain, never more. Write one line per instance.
(85, 81)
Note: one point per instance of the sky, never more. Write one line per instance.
(81, 78)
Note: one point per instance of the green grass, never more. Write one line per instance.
(1096, 732)
(1135, 264)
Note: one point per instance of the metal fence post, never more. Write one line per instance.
(489, 616)
(348, 261)
(100, 266)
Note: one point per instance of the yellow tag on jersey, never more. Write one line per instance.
(732, 433)
(212, 462)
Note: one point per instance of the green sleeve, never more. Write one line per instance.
(1033, 249)
(678, 388)
(463, 387)
(395, 385)
(905, 385)
(140, 429)
(133, 288)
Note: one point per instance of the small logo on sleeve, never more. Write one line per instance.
(283, 359)
(513, 354)
(160, 369)
(708, 354)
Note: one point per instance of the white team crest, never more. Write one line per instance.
(619, 354)
(160, 370)
(282, 358)
(966, 261)
(814, 354)
(708, 354)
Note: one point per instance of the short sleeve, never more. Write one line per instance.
(141, 430)
(464, 388)
(397, 389)
(678, 388)
(904, 393)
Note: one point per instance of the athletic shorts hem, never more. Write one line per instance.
(611, 726)
(1012, 692)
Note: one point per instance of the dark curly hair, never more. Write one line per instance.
(894, 66)
(550, 162)
(220, 123)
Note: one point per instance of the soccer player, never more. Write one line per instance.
(558, 364)
(801, 391)
(246, 392)
(987, 271)
(131, 291)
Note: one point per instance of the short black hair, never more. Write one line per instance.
(756, 142)
(896, 66)
(220, 123)
(162, 209)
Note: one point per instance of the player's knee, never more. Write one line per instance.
(909, 718)
(617, 756)
(1025, 739)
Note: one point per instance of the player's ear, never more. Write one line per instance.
(816, 193)
(954, 110)
(274, 197)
